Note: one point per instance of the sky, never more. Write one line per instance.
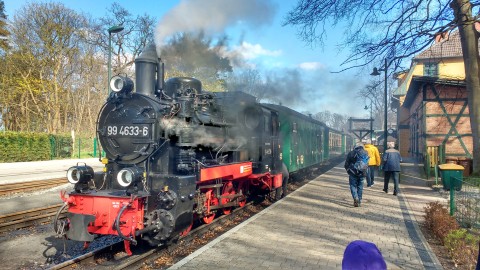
(256, 31)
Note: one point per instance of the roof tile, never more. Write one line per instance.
(449, 47)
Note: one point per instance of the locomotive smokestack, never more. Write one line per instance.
(145, 70)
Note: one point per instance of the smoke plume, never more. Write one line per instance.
(213, 16)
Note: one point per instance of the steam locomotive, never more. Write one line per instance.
(176, 154)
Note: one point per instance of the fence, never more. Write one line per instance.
(435, 155)
(63, 147)
(465, 201)
(85, 147)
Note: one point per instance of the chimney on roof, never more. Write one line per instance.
(440, 37)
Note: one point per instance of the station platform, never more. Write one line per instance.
(312, 226)
(41, 170)
(16, 172)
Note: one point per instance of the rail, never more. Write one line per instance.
(8, 189)
(23, 219)
(150, 254)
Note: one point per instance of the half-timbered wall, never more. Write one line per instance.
(439, 115)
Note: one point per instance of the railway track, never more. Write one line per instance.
(8, 189)
(27, 218)
(147, 256)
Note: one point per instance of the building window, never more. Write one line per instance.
(430, 69)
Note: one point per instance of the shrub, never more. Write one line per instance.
(438, 221)
(29, 146)
(463, 248)
(23, 146)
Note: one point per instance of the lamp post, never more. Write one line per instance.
(377, 73)
(371, 120)
(113, 29)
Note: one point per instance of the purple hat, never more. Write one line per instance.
(363, 255)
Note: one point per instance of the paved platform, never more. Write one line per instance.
(40, 170)
(310, 228)
(37, 170)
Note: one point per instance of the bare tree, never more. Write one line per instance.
(46, 40)
(248, 81)
(127, 44)
(373, 95)
(396, 30)
(333, 120)
(324, 116)
(50, 79)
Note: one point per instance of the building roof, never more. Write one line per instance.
(448, 47)
(402, 89)
(418, 81)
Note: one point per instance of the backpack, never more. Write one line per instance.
(360, 166)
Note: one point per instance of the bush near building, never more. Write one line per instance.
(462, 246)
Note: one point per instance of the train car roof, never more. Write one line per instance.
(287, 110)
(284, 109)
(236, 95)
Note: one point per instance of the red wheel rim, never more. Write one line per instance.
(227, 190)
(211, 200)
(243, 201)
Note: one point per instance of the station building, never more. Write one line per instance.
(432, 106)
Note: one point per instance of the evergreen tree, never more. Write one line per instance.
(4, 33)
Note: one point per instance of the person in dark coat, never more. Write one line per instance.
(391, 167)
(355, 181)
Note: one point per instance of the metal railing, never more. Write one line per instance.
(80, 148)
(465, 201)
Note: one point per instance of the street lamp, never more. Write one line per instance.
(371, 120)
(113, 29)
(377, 73)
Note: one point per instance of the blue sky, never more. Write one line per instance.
(257, 34)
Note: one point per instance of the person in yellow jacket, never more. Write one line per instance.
(374, 161)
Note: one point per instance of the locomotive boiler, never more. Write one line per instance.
(174, 154)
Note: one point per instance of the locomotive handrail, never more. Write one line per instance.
(117, 225)
(55, 219)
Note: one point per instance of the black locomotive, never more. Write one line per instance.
(174, 154)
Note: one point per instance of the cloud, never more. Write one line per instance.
(251, 51)
(311, 65)
(245, 54)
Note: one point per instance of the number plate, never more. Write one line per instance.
(128, 131)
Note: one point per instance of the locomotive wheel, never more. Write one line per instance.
(278, 193)
(241, 203)
(227, 190)
(187, 230)
(241, 190)
(211, 200)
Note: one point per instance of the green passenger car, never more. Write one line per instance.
(306, 142)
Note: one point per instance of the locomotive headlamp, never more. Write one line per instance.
(121, 84)
(127, 176)
(80, 174)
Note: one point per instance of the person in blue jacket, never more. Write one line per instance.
(355, 178)
(391, 166)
